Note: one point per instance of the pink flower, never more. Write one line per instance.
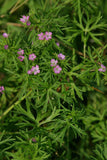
(6, 47)
(32, 57)
(28, 23)
(57, 44)
(102, 69)
(5, 35)
(21, 58)
(20, 52)
(61, 56)
(1, 89)
(53, 62)
(35, 69)
(29, 72)
(48, 35)
(41, 36)
(34, 140)
(57, 69)
(25, 19)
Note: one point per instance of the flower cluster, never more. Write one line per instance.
(47, 36)
(35, 70)
(5, 35)
(102, 69)
(25, 19)
(1, 89)
(57, 69)
(21, 53)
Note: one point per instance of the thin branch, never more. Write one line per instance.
(15, 5)
(16, 103)
(14, 9)
(15, 24)
(97, 90)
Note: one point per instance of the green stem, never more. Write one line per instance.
(84, 50)
(16, 103)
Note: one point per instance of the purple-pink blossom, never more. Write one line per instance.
(25, 19)
(21, 58)
(20, 52)
(34, 140)
(102, 69)
(32, 57)
(53, 62)
(1, 89)
(58, 44)
(48, 35)
(41, 36)
(28, 23)
(35, 69)
(29, 72)
(5, 35)
(61, 56)
(57, 69)
(6, 46)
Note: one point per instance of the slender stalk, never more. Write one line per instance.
(68, 150)
(97, 90)
(84, 50)
(16, 103)
(46, 2)
(15, 24)
(14, 9)
(15, 5)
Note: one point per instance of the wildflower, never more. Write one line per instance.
(29, 72)
(57, 69)
(33, 140)
(53, 62)
(48, 35)
(6, 47)
(102, 69)
(57, 44)
(35, 69)
(25, 19)
(41, 36)
(20, 52)
(1, 89)
(61, 56)
(5, 35)
(21, 58)
(28, 23)
(32, 57)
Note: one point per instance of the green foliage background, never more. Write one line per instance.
(66, 113)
